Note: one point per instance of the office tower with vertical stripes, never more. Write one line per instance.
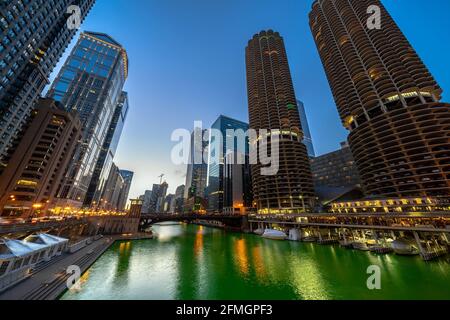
(33, 37)
(387, 99)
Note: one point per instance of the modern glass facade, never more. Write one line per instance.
(197, 174)
(307, 139)
(178, 201)
(104, 162)
(125, 192)
(158, 196)
(146, 201)
(218, 150)
(111, 191)
(90, 83)
(33, 36)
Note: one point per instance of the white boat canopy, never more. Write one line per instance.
(45, 239)
(16, 248)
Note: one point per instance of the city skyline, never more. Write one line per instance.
(190, 151)
(327, 134)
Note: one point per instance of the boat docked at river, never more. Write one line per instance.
(380, 249)
(294, 235)
(310, 239)
(274, 235)
(259, 232)
(405, 246)
(360, 245)
(346, 244)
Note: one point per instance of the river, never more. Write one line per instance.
(193, 262)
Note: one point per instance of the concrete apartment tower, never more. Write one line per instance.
(386, 98)
(31, 181)
(273, 106)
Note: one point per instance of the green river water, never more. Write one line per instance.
(193, 262)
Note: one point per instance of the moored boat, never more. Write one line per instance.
(360, 245)
(405, 247)
(259, 232)
(346, 244)
(380, 249)
(294, 235)
(309, 239)
(274, 235)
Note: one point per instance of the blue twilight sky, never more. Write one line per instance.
(187, 63)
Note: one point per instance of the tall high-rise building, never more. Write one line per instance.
(33, 37)
(125, 192)
(108, 151)
(146, 201)
(178, 200)
(218, 150)
(90, 82)
(387, 99)
(197, 173)
(273, 106)
(167, 204)
(32, 178)
(111, 192)
(159, 193)
(307, 140)
(238, 189)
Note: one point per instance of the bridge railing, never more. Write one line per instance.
(189, 215)
(27, 227)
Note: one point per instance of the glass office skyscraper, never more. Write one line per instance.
(125, 192)
(157, 198)
(33, 36)
(197, 174)
(90, 83)
(218, 150)
(105, 160)
(307, 139)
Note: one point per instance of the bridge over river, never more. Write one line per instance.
(229, 220)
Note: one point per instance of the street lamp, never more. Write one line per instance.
(36, 206)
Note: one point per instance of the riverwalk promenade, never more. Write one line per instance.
(49, 280)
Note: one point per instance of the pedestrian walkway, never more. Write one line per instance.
(48, 281)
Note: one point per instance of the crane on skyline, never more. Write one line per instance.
(160, 178)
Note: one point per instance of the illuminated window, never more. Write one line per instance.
(27, 183)
(343, 40)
